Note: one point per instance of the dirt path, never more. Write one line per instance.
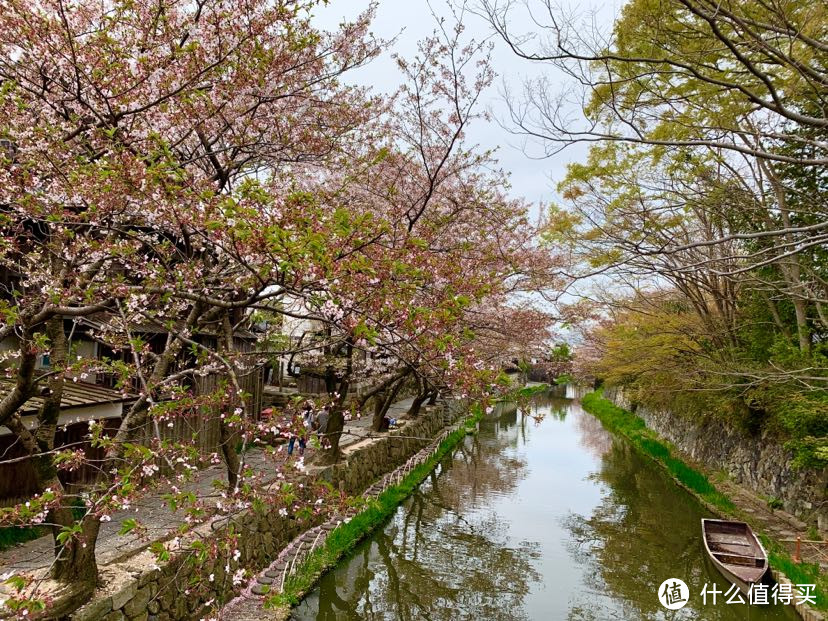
(781, 525)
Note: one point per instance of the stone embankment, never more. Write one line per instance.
(141, 588)
(250, 604)
(759, 462)
(746, 504)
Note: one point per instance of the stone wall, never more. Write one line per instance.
(758, 462)
(141, 589)
(368, 460)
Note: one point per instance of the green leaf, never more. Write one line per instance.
(127, 525)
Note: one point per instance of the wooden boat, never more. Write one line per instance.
(735, 551)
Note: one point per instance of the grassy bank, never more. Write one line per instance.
(646, 440)
(632, 427)
(528, 391)
(345, 537)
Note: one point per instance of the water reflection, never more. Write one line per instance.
(447, 525)
(532, 520)
(592, 436)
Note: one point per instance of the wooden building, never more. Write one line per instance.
(81, 402)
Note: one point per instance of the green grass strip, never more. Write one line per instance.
(345, 537)
(632, 427)
(798, 573)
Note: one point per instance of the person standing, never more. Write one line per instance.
(307, 423)
(322, 422)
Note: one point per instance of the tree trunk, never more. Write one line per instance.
(383, 403)
(336, 422)
(228, 450)
(790, 268)
(414, 410)
(50, 410)
(75, 566)
(380, 407)
(76, 559)
(802, 329)
(75, 562)
(229, 438)
(777, 319)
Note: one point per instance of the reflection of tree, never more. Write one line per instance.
(645, 531)
(444, 555)
(463, 569)
(592, 435)
(485, 464)
(333, 606)
(548, 404)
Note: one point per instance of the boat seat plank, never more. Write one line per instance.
(733, 549)
(738, 559)
(735, 554)
(738, 540)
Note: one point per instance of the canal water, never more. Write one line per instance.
(541, 515)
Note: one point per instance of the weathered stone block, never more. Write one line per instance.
(180, 608)
(148, 576)
(120, 598)
(166, 598)
(94, 610)
(138, 604)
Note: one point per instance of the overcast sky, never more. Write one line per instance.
(411, 20)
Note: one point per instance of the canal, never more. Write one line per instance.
(541, 515)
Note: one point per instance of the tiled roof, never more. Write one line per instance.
(97, 322)
(75, 395)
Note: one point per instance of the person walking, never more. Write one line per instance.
(307, 422)
(322, 422)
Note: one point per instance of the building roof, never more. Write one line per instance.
(97, 322)
(75, 395)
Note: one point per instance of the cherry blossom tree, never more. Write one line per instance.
(174, 168)
(432, 281)
(140, 145)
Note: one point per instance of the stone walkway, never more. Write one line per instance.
(154, 514)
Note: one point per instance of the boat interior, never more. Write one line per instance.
(734, 545)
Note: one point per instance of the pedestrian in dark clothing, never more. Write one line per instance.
(307, 422)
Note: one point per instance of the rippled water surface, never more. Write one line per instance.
(542, 515)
